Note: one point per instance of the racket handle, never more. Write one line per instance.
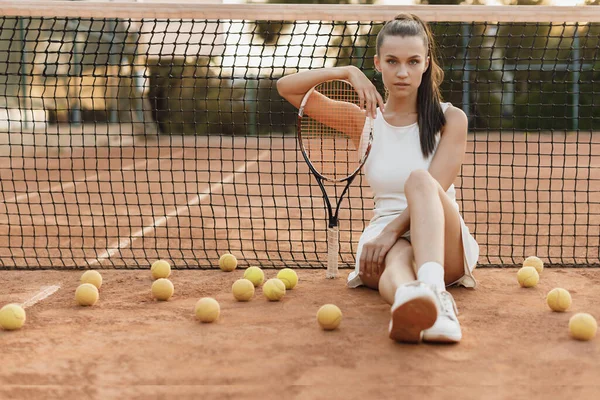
(333, 249)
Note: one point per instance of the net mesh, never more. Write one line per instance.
(124, 140)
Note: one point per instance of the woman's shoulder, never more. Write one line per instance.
(456, 119)
(446, 106)
(453, 114)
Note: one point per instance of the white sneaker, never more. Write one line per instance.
(414, 310)
(446, 328)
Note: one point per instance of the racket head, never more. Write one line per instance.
(334, 133)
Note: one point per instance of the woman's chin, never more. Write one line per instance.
(402, 93)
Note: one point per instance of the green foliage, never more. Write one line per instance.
(513, 75)
(189, 97)
(522, 75)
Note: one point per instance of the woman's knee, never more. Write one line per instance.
(420, 180)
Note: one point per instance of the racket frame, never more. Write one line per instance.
(333, 241)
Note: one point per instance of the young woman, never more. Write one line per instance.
(418, 147)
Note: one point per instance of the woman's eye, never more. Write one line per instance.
(391, 62)
(414, 62)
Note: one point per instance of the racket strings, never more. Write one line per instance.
(328, 143)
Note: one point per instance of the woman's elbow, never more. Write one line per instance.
(281, 87)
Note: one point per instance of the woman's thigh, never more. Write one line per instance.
(454, 255)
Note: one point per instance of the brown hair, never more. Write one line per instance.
(431, 117)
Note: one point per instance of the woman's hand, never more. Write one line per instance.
(372, 257)
(368, 94)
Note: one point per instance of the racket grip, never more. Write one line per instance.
(333, 249)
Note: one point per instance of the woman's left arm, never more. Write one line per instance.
(451, 149)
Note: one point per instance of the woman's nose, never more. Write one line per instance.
(402, 72)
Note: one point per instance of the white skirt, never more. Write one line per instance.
(470, 248)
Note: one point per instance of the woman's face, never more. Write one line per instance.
(402, 60)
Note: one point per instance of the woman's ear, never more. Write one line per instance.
(377, 63)
(427, 61)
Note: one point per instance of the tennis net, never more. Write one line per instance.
(131, 132)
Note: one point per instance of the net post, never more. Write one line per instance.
(76, 70)
(466, 74)
(24, 104)
(576, 68)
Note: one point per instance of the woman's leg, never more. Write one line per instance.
(398, 270)
(435, 229)
(437, 244)
(414, 306)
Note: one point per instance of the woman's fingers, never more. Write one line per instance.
(372, 106)
(361, 98)
(369, 97)
(365, 101)
(374, 266)
(369, 257)
(381, 262)
(364, 261)
(372, 260)
(374, 100)
(380, 101)
(370, 270)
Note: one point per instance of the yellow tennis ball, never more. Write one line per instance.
(558, 299)
(86, 294)
(255, 275)
(534, 262)
(160, 269)
(242, 289)
(12, 316)
(227, 262)
(329, 316)
(207, 309)
(289, 277)
(162, 289)
(528, 277)
(92, 277)
(274, 289)
(583, 326)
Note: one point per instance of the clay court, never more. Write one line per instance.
(131, 346)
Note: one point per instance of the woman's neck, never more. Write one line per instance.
(401, 111)
(401, 106)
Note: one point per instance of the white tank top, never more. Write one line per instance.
(395, 153)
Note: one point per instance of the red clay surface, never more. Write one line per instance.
(130, 346)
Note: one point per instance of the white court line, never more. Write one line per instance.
(33, 195)
(124, 243)
(43, 294)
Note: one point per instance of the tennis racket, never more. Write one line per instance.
(335, 137)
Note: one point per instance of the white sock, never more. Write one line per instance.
(432, 273)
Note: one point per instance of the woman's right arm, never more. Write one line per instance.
(293, 87)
